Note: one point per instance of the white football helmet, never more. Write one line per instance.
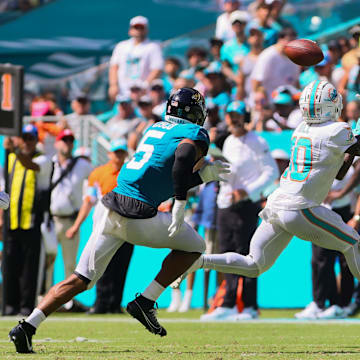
(320, 102)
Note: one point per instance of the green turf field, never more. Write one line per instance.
(118, 337)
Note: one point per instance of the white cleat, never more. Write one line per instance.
(332, 312)
(220, 313)
(248, 313)
(309, 313)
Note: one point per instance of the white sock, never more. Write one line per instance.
(153, 291)
(36, 318)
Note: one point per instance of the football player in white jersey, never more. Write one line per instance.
(322, 149)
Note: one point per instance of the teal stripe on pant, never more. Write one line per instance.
(327, 227)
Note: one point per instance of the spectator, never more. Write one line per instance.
(352, 113)
(262, 21)
(135, 58)
(23, 237)
(158, 97)
(224, 29)
(109, 288)
(273, 68)
(234, 50)
(255, 40)
(137, 90)
(353, 79)
(171, 71)
(125, 121)
(350, 58)
(196, 57)
(215, 52)
(286, 113)
(80, 106)
(253, 169)
(66, 197)
(217, 90)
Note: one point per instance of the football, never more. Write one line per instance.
(304, 52)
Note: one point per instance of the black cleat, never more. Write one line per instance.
(21, 336)
(144, 310)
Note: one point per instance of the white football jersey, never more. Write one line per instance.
(317, 155)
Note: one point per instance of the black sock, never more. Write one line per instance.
(145, 301)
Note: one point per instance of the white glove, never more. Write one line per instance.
(212, 171)
(178, 213)
(4, 200)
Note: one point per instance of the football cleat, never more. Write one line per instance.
(144, 310)
(21, 335)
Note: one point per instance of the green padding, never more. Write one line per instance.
(332, 229)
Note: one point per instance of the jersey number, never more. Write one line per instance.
(147, 149)
(301, 159)
(6, 87)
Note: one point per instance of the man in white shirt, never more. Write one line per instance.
(273, 68)
(66, 197)
(135, 58)
(252, 170)
(224, 29)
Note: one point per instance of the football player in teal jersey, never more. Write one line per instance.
(162, 167)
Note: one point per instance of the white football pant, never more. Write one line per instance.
(111, 230)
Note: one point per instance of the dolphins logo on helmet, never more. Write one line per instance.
(320, 102)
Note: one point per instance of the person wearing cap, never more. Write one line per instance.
(126, 119)
(286, 114)
(223, 28)
(158, 97)
(263, 22)
(135, 58)
(29, 182)
(69, 175)
(234, 50)
(252, 170)
(109, 288)
(273, 67)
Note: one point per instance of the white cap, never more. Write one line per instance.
(139, 20)
(239, 15)
(280, 154)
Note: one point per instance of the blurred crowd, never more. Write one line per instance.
(249, 85)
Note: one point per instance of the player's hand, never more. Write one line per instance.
(71, 231)
(9, 144)
(213, 171)
(333, 195)
(4, 200)
(178, 213)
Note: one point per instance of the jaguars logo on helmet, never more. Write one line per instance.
(186, 105)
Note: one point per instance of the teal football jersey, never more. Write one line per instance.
(148, 175)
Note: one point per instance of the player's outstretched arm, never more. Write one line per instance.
(348, 160)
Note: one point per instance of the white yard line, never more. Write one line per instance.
(193, 321)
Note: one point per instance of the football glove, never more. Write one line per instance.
(212, 171)
(4, 200)
(178, 213)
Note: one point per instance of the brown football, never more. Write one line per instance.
(304, 52)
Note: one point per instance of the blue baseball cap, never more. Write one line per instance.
(326, 60)
(30, 129)
(236, 106)
(118, 144)
(283, 98)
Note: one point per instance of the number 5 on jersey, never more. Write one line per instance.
(146, 149)
(301, 160)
